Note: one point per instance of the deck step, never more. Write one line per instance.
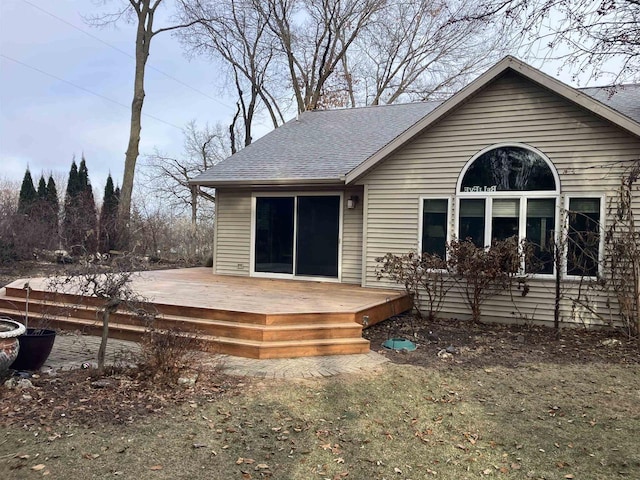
(249, 331)
(222, 344)
(253, 341)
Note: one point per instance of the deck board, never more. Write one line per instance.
(198, 287)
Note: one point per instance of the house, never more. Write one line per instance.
(325, 195)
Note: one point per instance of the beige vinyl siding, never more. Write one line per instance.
(352, 239)
(585, 150)
(233, 232)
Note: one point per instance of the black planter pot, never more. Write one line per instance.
(35, 347)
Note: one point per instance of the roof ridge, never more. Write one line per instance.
(615, 85)
(363, 107)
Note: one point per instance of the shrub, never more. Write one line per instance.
(166, 353)
(483, 272)
(423, 276)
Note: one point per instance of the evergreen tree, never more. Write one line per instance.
(42, 189)
(53, 207)
(88, 209)
(84, 184)
(70, 219)
(28, 194)
(108, 218)
(80, 224)
(39, 217)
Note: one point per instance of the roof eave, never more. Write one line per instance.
(277, 182)
(463, 95)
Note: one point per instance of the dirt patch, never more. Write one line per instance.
(443, 343)
(120, 396)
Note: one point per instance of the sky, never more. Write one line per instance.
(66, 89)
(64, 93)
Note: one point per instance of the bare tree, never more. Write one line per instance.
(585, 35)
(163, 232)
(314, 38)
(327, 54)
(169, 176)
(416, 50)
(237, 34)
(143, 14)
(108, 280)
(622, 246)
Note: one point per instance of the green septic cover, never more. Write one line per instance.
(399, 344)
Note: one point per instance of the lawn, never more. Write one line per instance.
(539, 420)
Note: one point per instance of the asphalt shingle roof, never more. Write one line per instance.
(325, 145)
(321, 144)
(623, 98)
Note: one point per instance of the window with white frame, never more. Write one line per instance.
(510, 191)
(584, 217)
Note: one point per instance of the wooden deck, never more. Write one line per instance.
(250, 317)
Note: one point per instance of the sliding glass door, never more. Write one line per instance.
(318, 231)
(310, 223)
(274, 234)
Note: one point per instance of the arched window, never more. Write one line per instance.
(508, 169)
(506, 191)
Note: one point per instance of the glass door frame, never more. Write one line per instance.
(295, 195)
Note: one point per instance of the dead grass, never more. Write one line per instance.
(535, 421)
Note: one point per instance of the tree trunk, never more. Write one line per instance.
(103, 341)
(143, 41)
(110, 307)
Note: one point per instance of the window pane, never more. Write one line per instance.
(505, 218)
(274, 235)
(434, 227)
(508, 169)
(318, 231)
(471, 223)
(583, 236)
(541, 219)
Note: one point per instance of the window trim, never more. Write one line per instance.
(565, 233)
(507, 193)
(421, 200)
(522, 217)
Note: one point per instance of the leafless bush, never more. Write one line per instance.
(622, 246)
(484, 272)
(423, 276)
(166, 353)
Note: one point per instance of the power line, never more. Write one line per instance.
(85, 89)
(200, 92)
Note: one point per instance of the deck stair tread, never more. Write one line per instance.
(142, 329)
